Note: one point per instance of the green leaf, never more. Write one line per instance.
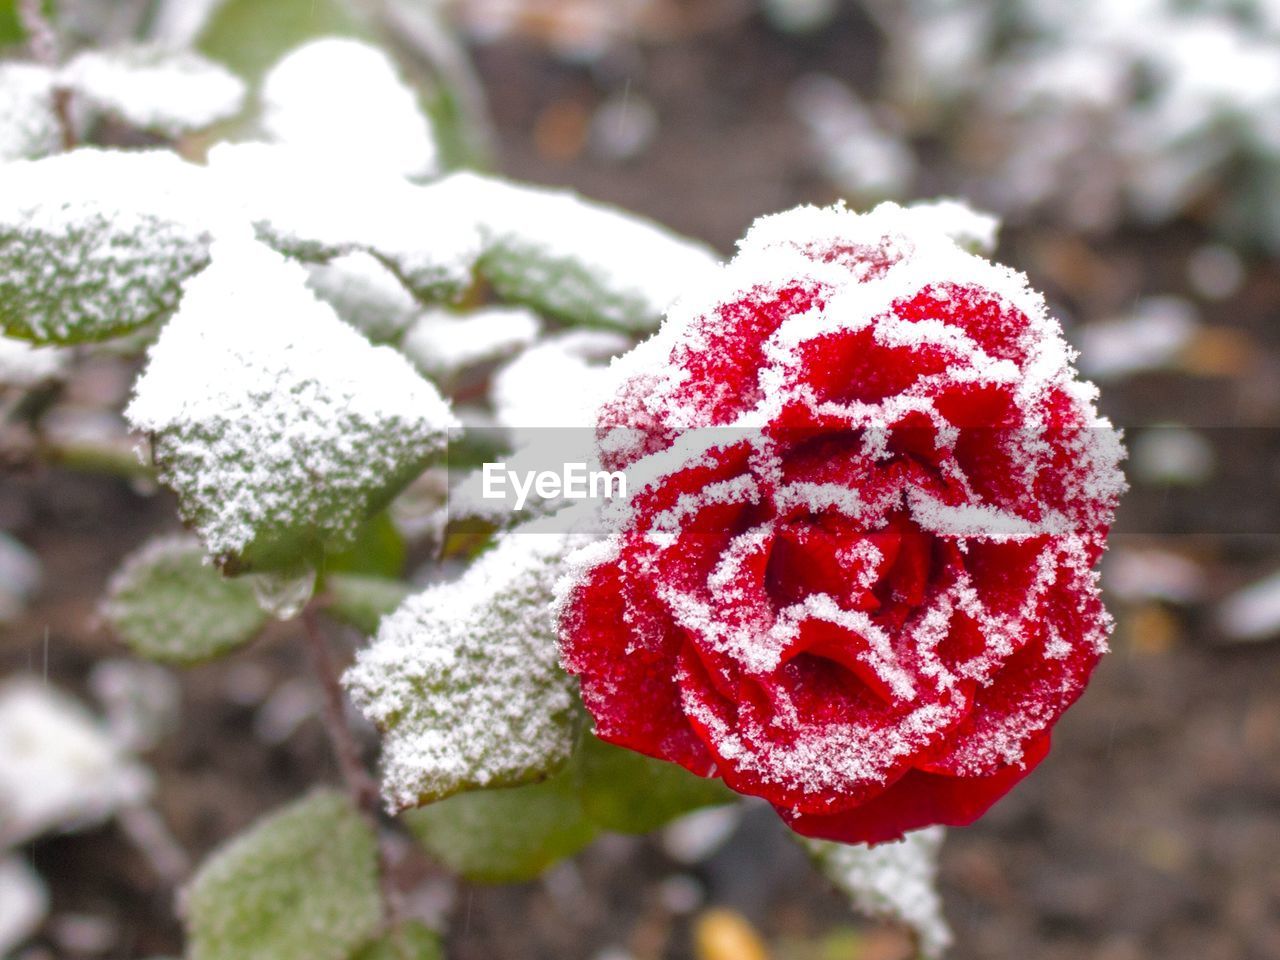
(379, 550)
(464, 679)
(10, 26)
(280, 428)
(95, 243)
(154, 87)
(413, 941)
(893, 881)
(630, 793)
(507, 835)
(300, 885)
(170, 605)
(363, 601)
(249, 36)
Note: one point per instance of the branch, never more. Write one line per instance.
(361, 787)
(41, 37)
(43, 41)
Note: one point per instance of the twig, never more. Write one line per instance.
(360, 785)
(40, 34)
(43, 41)
(151, 835)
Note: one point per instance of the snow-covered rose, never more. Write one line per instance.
(858, 579)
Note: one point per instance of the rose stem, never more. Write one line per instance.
(360, 786)
(43, 41)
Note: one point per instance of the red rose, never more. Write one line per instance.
(868, 597)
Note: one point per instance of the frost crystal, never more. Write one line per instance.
(279, 426)
(96, 243)
(464, 679)
(895, 881)
(154, 88)
(28, 125)
(345, 100)
(59, 768)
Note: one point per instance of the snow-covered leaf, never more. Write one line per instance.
(169, 604)
(1253, 612)
(894, 881)
(280, 427)
(155, 88)
(1152, 335)
(24, 900)
(59, 767)
(23, 365)
(300, 885)
(413, 941)
(96, 243)
(559, 382)
(28, 124)
(444, 345)
(141, 701)
(507, 835)
(576, 260)
(366, 295)
(363, 601)
(345, 100)
(464, 678)
(973, 230)
(625, 791)
(420, 233)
